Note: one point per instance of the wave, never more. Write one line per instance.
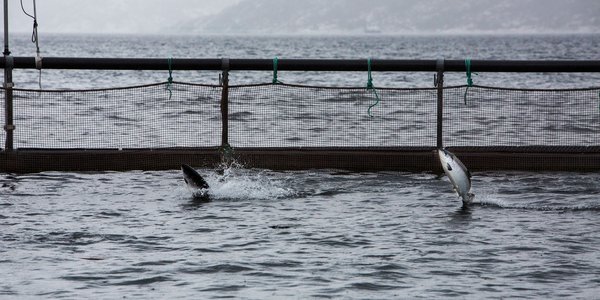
(504, 204)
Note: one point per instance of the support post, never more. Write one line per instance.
(9, 127)
(439, 83)
(225, 148)
(6, 51)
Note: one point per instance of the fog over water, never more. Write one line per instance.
(266, 17)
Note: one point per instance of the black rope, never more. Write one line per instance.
(34, 36)
(35, 40)
(25, 12)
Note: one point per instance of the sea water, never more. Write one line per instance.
(310, 234)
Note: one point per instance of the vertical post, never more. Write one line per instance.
(9, 127)
(439, 83)
(6, 52)
(225, 104)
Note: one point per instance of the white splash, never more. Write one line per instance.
(235, 182)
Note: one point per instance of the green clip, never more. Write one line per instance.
(370, 77)
(275, 63)
(227, 154)
(469, 79)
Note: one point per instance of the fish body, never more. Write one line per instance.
(459, 175)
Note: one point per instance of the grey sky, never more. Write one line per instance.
(308, 16)
(110, 16)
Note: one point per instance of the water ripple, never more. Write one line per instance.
(218, 268)
(376, 235)
(144, 281)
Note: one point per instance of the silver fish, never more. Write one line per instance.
(459, 175)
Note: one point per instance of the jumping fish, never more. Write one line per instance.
(195, 182)
(459, 175)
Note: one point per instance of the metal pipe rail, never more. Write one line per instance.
(334, 65)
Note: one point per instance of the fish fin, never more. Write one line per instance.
(449, 167)
(195, 178)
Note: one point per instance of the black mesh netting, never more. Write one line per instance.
(284, 115)
(137, 117)
(521, 117)
(301, 116)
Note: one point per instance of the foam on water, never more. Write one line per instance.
(235, 182)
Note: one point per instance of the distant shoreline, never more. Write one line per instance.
(309, 34)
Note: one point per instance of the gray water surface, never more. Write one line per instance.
(318, 234)
(499, 47)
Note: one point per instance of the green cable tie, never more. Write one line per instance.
(370, 77)
(227, 151)
(275, 63)
(370, 87)
(170, 79)
(469, 79)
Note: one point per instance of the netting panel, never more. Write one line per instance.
(300, 116)
(139, 117)
(512, 117)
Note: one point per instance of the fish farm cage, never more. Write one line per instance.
(292, 127)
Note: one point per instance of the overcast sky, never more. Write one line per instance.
(302, 16)
(109, 16)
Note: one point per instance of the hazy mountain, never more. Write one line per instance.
(401, 16)
(112, 16)
(308, 16)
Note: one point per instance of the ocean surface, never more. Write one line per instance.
(302, 234)
(577, 47)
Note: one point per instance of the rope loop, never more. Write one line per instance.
(170, 79)
(371, 87)
(34, 34)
